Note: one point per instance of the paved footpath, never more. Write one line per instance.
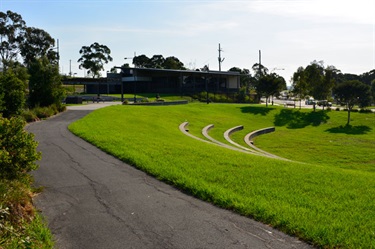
(93, 200)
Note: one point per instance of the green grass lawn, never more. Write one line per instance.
(325, 196)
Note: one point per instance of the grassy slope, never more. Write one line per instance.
(328, 202)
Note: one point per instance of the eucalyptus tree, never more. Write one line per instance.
(314, 76)
(94, 57)
(37, 43)
(259, 70)
(156, 61)
(45, 86)
(12, 92)
(351, 93)
(172, 62)
(12, 29)
(300, 85)
(141, 61)
(270, 85)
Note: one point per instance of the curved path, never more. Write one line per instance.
(92, 200)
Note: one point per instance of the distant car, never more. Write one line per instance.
(324, 103)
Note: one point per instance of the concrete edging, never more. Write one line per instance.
(249, 137)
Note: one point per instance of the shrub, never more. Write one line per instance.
(125, 102)
(43, 112)
(337, 109)
(18, 154)
(29, 116)
(12, 91)
(365, 111)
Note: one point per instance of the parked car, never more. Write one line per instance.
(324, 103)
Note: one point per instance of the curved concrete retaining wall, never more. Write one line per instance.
(229, 132)
(183, 128)
(249, 137)
(256, 133)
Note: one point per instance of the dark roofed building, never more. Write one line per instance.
(150, 80)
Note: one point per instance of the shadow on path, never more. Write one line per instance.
(295, 119)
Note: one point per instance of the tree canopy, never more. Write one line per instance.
(12, 29)
(270, 85)
(351, 93)
(38, 43)
(158, 61)
(94, 57)
(45, 86)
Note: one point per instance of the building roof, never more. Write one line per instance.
(174, 71)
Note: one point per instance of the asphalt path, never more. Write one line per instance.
(93, 200)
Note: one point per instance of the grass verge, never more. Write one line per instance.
(327, 200)
(21, 226)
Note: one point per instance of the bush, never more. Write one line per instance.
(337, 109)
(20, 224)
(18, 154)
(125, 102)
(12, 91)
(29, 116)
(365, 111)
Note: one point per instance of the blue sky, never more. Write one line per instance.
(290, 33)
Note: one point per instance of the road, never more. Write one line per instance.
(93, 200)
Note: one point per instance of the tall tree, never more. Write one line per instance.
(12, 90)
(270, 85)
(259, 70)
(351, 93)
(94, 57)
(172, 62)
(314, 76)
(45, 84)
(141, 61)
(37, 43)
(12, 28)
(329, 79)
(300, 86)
(156, 61)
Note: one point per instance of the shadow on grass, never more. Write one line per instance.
(293, 119)
(352, 130)
(256, 110)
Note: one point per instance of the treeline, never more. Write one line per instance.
(158, 61)
(30, 88)
(29, 67)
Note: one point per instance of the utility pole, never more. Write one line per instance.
(260, 58)
(220, 60)
(260, 62)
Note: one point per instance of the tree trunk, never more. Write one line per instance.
(348, 117)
